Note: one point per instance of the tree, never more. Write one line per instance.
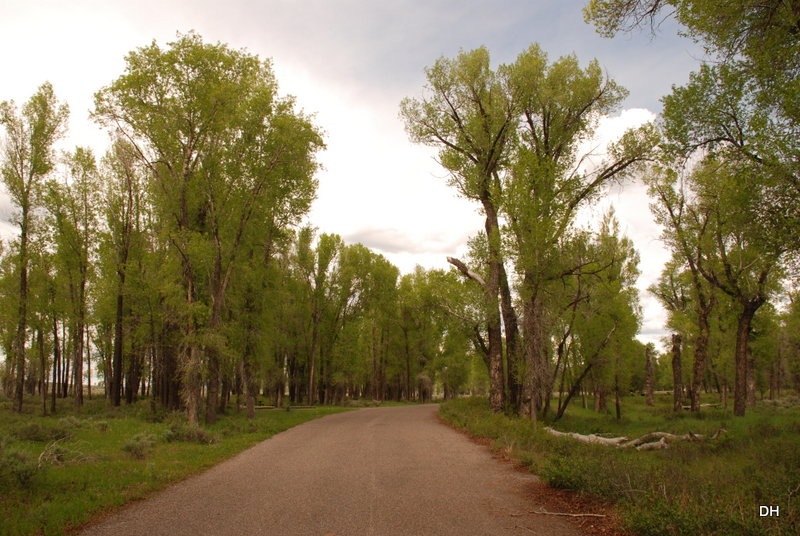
(220, 147)
(470, 116)
(599, 317)
(747, 100)
(27, 160)
(73, 210)
(559, 105)
(687, 232)
(746, 265)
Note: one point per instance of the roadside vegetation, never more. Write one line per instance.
(705, 487)
(57, 472)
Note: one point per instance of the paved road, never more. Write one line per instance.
(381, 471)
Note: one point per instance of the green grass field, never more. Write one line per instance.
(709, 487)
(57, 472)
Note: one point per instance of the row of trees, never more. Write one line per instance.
(175, 265)
(727, 185)
(512, 139)
(722, 169)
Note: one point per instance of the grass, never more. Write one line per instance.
(711, 487)
(57, 472)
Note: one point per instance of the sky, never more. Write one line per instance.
(349, 63)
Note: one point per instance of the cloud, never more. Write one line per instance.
(401, 241)
(350, 62)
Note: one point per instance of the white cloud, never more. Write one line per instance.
(350, 62)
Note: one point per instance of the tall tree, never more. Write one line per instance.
(73, 207)
(559, 105)
(27, 160)
(745, 263)
(687, 232)
(469, 115)
(220, 147)
(123, 207)
(747, 99)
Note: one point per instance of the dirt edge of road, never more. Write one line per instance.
(558, 500)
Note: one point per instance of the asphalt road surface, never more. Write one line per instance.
(382, 471)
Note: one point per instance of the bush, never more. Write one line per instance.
(101, 426)
(140, 445)
(69, 423)
(189, 434)
(37, 431)
(18, 466)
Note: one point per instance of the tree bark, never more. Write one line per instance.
(649, 375)
(743, 328)
(677, 375)
(537, 375)
(704, 307)
(513, 353)
(116, 381)
(56, 366)
(22, 314)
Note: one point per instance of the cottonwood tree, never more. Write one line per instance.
(687, 232)
(469, 114)
(27, 160)
(558, 105)
(598, 317)
(745, 264)
(72, 206)
(220, 146)
(746, 100)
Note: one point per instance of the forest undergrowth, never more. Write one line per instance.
(707, 487)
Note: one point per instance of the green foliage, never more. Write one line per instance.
(710, 487)
(41, 432)
(179, 431)
(17, 467)
(140, 446)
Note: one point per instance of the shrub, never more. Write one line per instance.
(140, 445)
(189, 434)
(17, 465)
(69, 423)
(101, 426)
(37, 431)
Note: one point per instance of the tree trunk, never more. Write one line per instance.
(751, 379)
(650, 380)
(493, 320)
(116, 381)
(56, 366)
(89, 363)
(704, 306)
(43, 364)
(312, 356)
(677, 375)
(22, 314)
(77, 365)
(537, 375)
(513, 350)
(743, 328)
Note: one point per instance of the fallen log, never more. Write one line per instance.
(591, 438)
(649, 441)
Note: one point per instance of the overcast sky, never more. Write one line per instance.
(350, 62)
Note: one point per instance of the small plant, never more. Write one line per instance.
(101, 426)
(17, 465)
(69, 423)
(140, 445)
(189, 434)
(36, 431)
